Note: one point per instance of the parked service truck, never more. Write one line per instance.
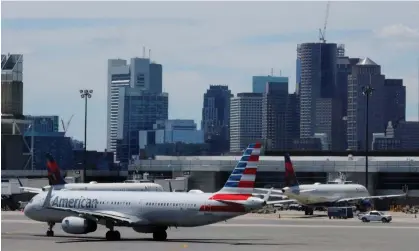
(340, 212)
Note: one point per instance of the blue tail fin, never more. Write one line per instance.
(290, 177)
(54, 174)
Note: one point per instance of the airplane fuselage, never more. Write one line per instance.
(156, 208)
(109, 187)
(324, 194)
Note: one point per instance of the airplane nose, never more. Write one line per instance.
(28, 211)
(25, 210)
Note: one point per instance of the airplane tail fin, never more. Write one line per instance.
(54, 174)
(240, 184)
(290, 177)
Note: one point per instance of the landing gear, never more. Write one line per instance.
(160, 235)
(112, 235)
(308, 211)
(50, 226)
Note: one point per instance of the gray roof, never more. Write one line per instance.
(296, 158)
(366, 61)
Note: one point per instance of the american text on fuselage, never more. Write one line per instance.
(81, 202)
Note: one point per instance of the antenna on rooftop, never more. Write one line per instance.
(272, 71)
(280, 73)
(143, 51)
(149, 54)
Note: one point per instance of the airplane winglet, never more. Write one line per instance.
(170, 186)
(20, 182)
(47, 202)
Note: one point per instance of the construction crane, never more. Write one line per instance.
(322, 33)
(67, 125)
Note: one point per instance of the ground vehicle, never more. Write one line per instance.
(340, 212)
(375, 216)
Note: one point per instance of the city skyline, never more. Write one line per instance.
(195, 48)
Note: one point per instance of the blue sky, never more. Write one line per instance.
(66, 46)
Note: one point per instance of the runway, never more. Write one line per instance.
(261, 232)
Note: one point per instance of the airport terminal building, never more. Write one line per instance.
(387, 175)
(208, 173)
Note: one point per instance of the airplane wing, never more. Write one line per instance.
(267, 190)
(272, 195)
(279, 202)
(31, 190)
(117, 217)
(372, 197)
(120, 218)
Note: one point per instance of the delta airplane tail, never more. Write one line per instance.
(240, 184)
(54, 174)
(290, 177)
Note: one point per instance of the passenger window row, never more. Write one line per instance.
(114, 203)
(170, 204)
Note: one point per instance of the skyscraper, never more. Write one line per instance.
(140, 73)
(274, 116)
(259, 82)
(245, 120)
(292, 119)
(395, 101)
(216, 118)
(319, 110)
(138, 110)
(366, 72)
(12, 85)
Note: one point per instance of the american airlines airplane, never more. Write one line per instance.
(150, 212)
(56, 180)
(324, 195)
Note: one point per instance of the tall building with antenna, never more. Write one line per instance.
(140, 73)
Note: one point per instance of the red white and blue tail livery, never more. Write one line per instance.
(241, 182)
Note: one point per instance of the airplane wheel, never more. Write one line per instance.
(109, 235)
(117, 235)
(160, 236)
(50, 233)
(113, 236)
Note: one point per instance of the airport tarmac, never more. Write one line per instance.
(263, 232)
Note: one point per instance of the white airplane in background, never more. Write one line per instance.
(324, 195)
(56, 180)
(150, 212)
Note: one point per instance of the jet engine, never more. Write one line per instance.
(364, 205)
(77, 225)
(148, 229)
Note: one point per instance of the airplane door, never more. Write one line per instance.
(140, 207)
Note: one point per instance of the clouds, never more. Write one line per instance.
(198, 43)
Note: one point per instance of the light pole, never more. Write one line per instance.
(367, 91)
(85, 94)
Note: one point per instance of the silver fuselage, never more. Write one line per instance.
(156, 208)
(324, 193)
